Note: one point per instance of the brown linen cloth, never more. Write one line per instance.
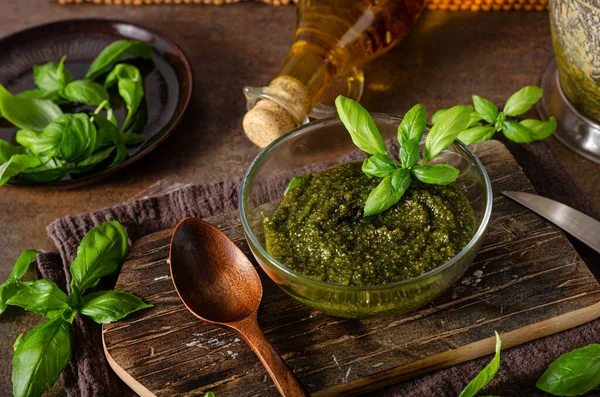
(88, 373)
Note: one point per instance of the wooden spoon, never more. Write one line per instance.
(219, 285)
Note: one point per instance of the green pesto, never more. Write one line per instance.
(319, 229)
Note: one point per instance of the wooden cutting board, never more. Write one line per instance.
(526, 282)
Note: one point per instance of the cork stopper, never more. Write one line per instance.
(281, 106)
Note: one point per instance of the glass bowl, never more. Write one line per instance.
(319, 145)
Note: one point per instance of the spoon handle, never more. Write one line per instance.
(286, 382)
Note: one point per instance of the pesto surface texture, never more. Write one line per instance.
(319, 229)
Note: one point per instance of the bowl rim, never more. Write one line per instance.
(245, 186)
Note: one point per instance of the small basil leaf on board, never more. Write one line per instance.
(109, 306)
(485, 375)
(486, 109)
(7, 150)
(78, 136)
(540, 129)
(114, 52)
(134, 139)
(379, 165)
(409, 152)
(479, 133)
(445, 131)
(51, 170)
(17, 164)
(438, 174)
(24, 260)
(41, 143)
(40, 357)
(474, 118)
(100, 253)
(360, 125)
(516, 132)
(293, 183)
(42, 297)
(572, 374)
(436, 116)
(85, 91)
(29, 113)
(522, 100)
(389, 191)
(413, 124)
(121, 155)
(130, 85)
(91, 162)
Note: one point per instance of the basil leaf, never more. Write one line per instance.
(516, 132)
(474, 118)
(114, 52)
(134, 139)
(50, 171)
(101, 252)
(540, 129)
(522, 100)
(41, 94)
(477, 134)
(108, 134)
(41, 143)
(360, 125)
(486, 109)
(485, 375)
(40, 357)
(51, 76)
(109, 306)
(121, 155)
(209, 394)
(413, 124)
(445, 131)
(389, 191)
(409, 152)
(29, 113)
(131, 88)
(92, 161)
(7, 150)
(573, 373)
(293, 182)
(438, 174)
(379, 165)
(7, 290)
(436, 116)
(42, 297)
(77, 136)
(85, 91)
(24, 260)
(17, 164)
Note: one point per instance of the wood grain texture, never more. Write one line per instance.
(526, 282)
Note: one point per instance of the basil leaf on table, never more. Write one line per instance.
(486, 374)
(389, 191)
(573, 373)
(42, 297)
(40, 356)
(360, 125)
(540, 129)
(131, 88)
(77, 136)
(409, 152)
(101, 252)
(109, 306)
(51, 170)
(114, 52)
(451, 123)
(24, 260)
(479, 133)
(28, 113)
(413, 124)
(17, 164)
(7, 151)
(7, 291)
(522, 100)
(438, 174)
(486, 109)
(516, 132)
(85, 91)
(379, 165)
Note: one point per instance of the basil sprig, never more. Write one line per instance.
(487, 119)
(486, 374)
(574, 373)
(53, 143)
(42, 354)
(396, 175)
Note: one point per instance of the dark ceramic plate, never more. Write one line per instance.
(167, 77)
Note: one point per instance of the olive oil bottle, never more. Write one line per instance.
(332, 38)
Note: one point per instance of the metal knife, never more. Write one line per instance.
(580, 226)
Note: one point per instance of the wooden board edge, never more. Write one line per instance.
(465, 353)
(129, 380)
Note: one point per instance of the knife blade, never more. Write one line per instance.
(577, 224)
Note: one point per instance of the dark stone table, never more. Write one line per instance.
(448, 57)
